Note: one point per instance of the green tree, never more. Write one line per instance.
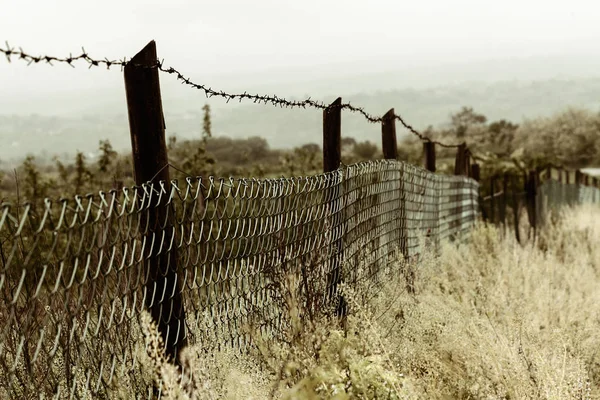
(63, 172)
(465, 119)
(206, 124)
(82, 173)
(501, 137)
(35, 189)
(107, 155)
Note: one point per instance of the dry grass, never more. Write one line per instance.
(490, 320)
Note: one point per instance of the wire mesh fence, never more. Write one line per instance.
(76, 273)
(524, 205)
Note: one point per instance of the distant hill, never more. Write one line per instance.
(511, 99)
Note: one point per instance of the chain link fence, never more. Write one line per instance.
(76, 273)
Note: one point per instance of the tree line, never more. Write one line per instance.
(570, 138)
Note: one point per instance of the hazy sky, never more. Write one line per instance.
(211, 39)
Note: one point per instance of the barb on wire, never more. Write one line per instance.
(208, 91)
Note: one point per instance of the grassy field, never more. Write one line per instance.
(489, 319)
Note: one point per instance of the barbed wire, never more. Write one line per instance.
(275, 100)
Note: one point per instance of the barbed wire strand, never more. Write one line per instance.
(275, 100)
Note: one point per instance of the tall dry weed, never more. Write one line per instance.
(488, 319)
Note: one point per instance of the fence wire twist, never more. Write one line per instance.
(74, 273)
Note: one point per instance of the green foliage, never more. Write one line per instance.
(464, 120)
(83, 175)
(107, 156)
(570, 138)
(206, 123)
(35, 188)
(365, 150)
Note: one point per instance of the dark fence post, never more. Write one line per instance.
(476, 172)
(504, 199)
(560, 175)
(332, 158)
(493, 200)
(429, 155)
(515, 202)
(389, 143)
(460, 162)
(531, 194)
(578, 179)
(332, 136)
(468, 171)
(567, 177)
(150, 162)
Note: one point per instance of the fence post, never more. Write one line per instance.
(548, 173)
(332, 158)
(578, 179)
(504, 199)
(460, 162)
(147, 129)
(389, 143)
(560, 175)
(429, 153)
(493, 199)
(332, 136)
(531, 194)
(515, 202)
(468, 171)
(476, 172)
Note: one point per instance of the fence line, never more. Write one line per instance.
(75, 273)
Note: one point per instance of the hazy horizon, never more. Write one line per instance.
(291, 49)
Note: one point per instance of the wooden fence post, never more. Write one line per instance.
(504, 199)
(493, 200)
(332, 136)
(389, 143)
(150, 161)
(476, 172)
(548, 173)
(332, 158)
(560, 175)
(468, 171)
(390, 152)
(429, 155)
(515, 202)
(578, 180)
(531, 182)
(459, 163)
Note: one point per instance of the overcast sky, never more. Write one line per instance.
(209, 40)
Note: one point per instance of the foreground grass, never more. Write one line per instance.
(489, 319)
